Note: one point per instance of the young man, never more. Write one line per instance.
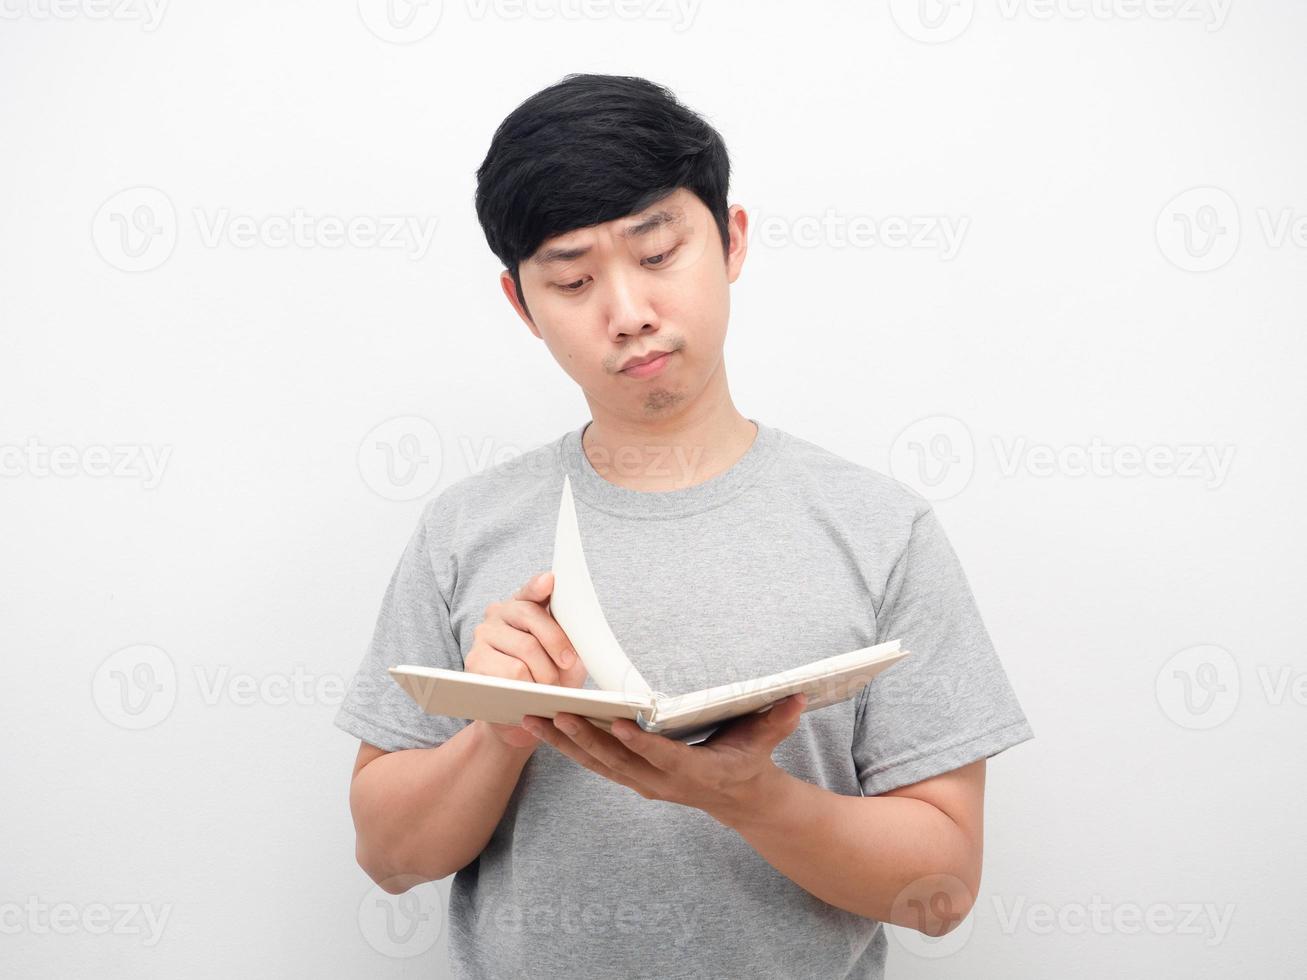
(721, 549)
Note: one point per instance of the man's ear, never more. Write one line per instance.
(737, 224)
(510, 290)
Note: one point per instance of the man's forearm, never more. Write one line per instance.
(889, 858)
(422, 814)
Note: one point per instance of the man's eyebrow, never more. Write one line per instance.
(559, 255)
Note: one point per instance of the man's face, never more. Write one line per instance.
(650, 282)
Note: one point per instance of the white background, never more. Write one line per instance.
(1092, 314)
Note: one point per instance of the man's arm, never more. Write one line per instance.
(422, 814)
(911, 856)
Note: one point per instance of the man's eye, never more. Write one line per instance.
(661, 257)
(654, 261)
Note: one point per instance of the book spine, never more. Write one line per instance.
(650, 723)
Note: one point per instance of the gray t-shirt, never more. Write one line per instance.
(791, 555)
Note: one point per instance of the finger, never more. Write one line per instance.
(766, 729)
(781, 722)
(608, 750)
(663, 753)
(538, 589)
(497, 664)
(547, 732)
(504, 639)
(514, 735)
(531, 603)
(530, 618)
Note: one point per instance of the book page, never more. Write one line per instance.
(825, 682)
(576, 608)
(458, 694)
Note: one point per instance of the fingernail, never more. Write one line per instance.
(567, 657)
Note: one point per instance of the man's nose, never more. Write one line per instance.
(629, 308)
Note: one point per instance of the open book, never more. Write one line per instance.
(622, 692)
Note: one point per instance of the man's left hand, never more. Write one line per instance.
(721, 776)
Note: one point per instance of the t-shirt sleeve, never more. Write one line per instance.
(413, 627)
(947, 704)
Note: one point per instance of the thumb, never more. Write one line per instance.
(784, 715)
(771, 727)
(779, 723)
(538, 589)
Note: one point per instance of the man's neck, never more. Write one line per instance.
(667, 454)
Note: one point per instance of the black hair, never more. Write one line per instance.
(590, 149)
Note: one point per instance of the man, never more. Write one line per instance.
(721, 549)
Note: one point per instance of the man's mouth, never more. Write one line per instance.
(653, 355)
(651, 363)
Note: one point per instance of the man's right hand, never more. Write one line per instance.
(520, 640)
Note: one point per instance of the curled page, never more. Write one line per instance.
(576, 608)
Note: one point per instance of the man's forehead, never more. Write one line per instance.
(669, 212)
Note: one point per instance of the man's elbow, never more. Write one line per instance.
(935, 904)
(950, 919)
(385, 876)
(390, 878)
(399, 884)
(945, 895)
